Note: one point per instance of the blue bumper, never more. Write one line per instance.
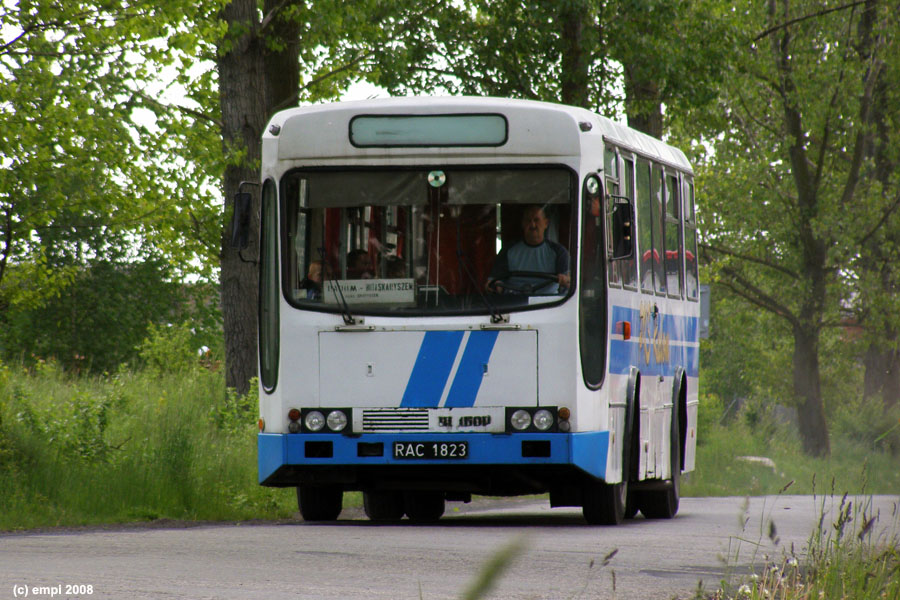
(586, 451)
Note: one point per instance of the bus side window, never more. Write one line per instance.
(690, 241)
(658, 217)
(627, 266)
(673, 237)
(644, 219)
(611, 168)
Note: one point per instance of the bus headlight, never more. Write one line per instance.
(314, 420)
(520, 420)
(337, 420)
(543, 419)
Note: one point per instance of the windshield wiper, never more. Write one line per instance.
(348, 317)
(496, 316)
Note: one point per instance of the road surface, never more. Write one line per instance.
(560, 556)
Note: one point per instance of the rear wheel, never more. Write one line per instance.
(383, 506)
(320, 503)
(424, 507)
(663, 504)
(604, 503)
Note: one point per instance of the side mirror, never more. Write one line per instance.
(240, 220)
(622, 227)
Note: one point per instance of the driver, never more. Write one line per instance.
(533, 253)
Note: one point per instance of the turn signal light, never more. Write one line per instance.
(624, 327)
(294, 414)
(261, 424)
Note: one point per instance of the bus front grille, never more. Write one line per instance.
(395, 419)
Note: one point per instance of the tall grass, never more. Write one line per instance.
(133, 446)
(861, 457)
(853, 555)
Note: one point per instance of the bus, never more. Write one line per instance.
(467, 296)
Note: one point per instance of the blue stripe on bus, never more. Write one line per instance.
(681, 331)
(625, 354)
(678, 328)
(432, 369)
(471, 369)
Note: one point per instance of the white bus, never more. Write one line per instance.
(475, 296)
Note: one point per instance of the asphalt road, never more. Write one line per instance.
(560, 556)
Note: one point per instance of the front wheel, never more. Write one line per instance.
(383, 506)
(320, 503)
(604, 503)
(424, 507)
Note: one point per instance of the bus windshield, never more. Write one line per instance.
(427, 240)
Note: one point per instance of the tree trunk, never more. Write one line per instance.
(808, 391)
(242, 101)
(574, 18)
(643, 103)
(883, 374)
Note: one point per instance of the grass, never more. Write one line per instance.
(722, 468)
(129, 447)
(853, 556)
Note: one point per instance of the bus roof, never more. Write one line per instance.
(534, 129)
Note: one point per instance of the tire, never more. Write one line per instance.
(663, 504)
(424, 507)
(632, 501)
(383, 506)
(604, 503)
(320, 503)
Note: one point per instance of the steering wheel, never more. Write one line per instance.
(527, 288)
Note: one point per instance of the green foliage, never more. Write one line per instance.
(169, 349)
(96, 321)
(134, 446)
(755, 431)
(852, 554)
(238, 413)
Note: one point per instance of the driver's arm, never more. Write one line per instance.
(499, 271)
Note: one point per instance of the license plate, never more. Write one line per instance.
(431, 450)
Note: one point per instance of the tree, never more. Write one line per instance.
(788, 200)
(75, 162)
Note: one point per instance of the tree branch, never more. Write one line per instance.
(753, 259)
(814, 15)
(884, 217)
(756, 296)
(184, 109)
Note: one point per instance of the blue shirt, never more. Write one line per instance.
(546, 257)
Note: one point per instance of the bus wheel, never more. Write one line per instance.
(424, 507)
(663, 504)
(631, 505)
(383, 506)
(319, 503)
(604, 503)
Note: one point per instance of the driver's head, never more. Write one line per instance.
(534, 224)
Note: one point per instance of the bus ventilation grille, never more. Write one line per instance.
(395, 419)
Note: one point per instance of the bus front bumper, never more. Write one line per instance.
(587, 451)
